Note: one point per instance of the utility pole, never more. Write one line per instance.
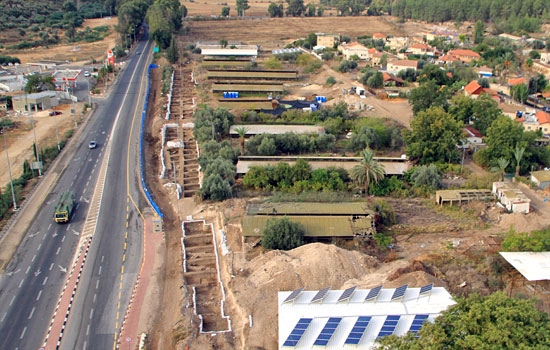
(56, 130)
(9, 170)
(34, 134)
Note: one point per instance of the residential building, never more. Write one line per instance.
(513, 199)
(375, 56)
(12, 83)
(541, 178)
(392, 80)
(474, 90)
(398, 43)
(516, 81)
(484, 72)
(442, 34)
(420, 49)
(248, 51)
(447, 59)
(538, 121)
(545, 57)
(379, 36)
(37, 101)
(474, 139)
(542, 68)
(355, 318)
(464, 55)
(327, 40)
(395, 67)
(351, 49)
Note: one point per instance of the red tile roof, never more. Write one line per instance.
(516, 81)
(464, 53)
(405, 63)
(473, 88)
(379, 36)
(389, 77)
(543, 117)
(490, 91)
(420, 46)
(472, 131)
(448, 58)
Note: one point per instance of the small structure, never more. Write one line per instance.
(352, 49)
(395, 67)
(465, 56)
(474, 139)
(250, 51)
(355, 318)
(474, 90)
(539, 121)
(420, 49)
(541, 67)
(516, 81)
(258, 129)
(392, 80)
(37, 101)
(379, 36)
(532, 265)
(484, 72)
(320, 220)
(65, 79)
(461, 196)
(12, 83)
(327, 40)
(512, 198)
(541, 178)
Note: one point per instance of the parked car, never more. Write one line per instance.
(92, 145)
(86, 74)
(55, 113)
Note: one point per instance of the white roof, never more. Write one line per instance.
(255, 129)
(412, 304)
(535, 266)
(229, 52)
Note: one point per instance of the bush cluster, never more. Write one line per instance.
(283, 234)
(288, 143)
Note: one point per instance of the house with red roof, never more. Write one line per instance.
(351, 49)
(464, 55)
(474, 139)
(379, 36)
(474, 90)
(538, 121)
(516, 81)
(392, 80)
(395, 67)
(420, 49)
(447, 59)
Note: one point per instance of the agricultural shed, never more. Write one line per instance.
(541, 178)
(512, 198)
(234, 50)
(461, 196)
(248, 74)
(248, 103)
(221, 87)
(257, 129)
(533, 266)
(344, 220)
(355, 318)
(392, 165)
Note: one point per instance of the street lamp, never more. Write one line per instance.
(9, 169)
(34, 134)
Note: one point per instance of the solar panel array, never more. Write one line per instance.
(358, 330)
(297, 332)
(399, 292)
(373, 293)
(389, 325)
(347, 294)
(281, 51)
(293, 295)
(426, 289)
(320, 295)
(417, 323)
(328, 331)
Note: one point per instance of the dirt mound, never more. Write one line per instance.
(313, 266)
(414, 266)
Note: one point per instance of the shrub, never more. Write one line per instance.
(384, 211)
(347, 66)
(283, 234)
(427, 177)
(330, 81)
(535, 241)
(273, 63)
(288, 143)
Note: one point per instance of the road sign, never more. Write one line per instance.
(36, 165)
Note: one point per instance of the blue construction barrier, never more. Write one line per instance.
(155, 206)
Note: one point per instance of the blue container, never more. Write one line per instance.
(324, 99)
(225, 95)
(236, 94)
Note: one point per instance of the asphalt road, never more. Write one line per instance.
(33, 279)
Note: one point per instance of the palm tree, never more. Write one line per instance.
(518, 154)
(502, 164)
(368, 171)
(242, 133)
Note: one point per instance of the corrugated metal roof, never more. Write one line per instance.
(340, 208)
(462, 195)
(247, 88)
(534, 266)
(229, 52)
(412, 304)
(541, 175)
(252, 74)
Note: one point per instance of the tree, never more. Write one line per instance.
(384, 60)
(214, 187)
(310, 12)
(518, 154)
(70, 33)
(428, 95)
(295, 8)
(433, 73)
(520, 92)
(426, 176)
(69, 6)
(376, 81)
(36, 83)
(225, 11)
(500, 168)
(283, 234)
(242, 6)
(320, 10)
(242, 133)
(172, 51)
(223, 43)
(275, 10)
(480, 112)
(368, 171)
(484, 323)
(478, 32)
(433, 136)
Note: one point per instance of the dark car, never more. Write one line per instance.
(55, 113)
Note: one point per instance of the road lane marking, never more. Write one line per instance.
(102, 258)
(57, 252)
(63, 239)
(32, 312)
(20, 284)
(4, 317)
(87, 183)
(23, 333)
(95, 296)
(91, 313)
(51, 266)
(45, 280)
(68, 226)
(34, 257)
(39, 294)
(12, 299)
(44, 237)
(39, 246)
(100, 269)
(28, 268)
(49, 227)
(87, 332)
(76, 207)
(97, 284)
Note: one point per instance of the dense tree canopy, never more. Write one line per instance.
(283, 234)
(480, 112)
(428, 95)
(433, 136)
(483, 323)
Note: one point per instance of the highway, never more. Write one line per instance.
(33, 279)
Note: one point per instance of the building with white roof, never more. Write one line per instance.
(534, 266)
(355, 319)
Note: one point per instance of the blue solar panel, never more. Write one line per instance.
(399, 292)
(328, 331)
(389, 325)
(320, 295)
(297, 332)
(358, 330)
(347, 294)
(426, 289)
(373, 293)
(293, 295)
(417, 323)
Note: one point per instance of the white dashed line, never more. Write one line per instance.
(23, 333)
(39, 246)
(95, 296)
(97, 284)
(91, 313)
(4, 317)
(20, 284)
(58, 249)
(12, 299)
(28, 268)
(51, 266)
(44, 237)
(102, 258)
(68, 227)
(63, 239)
(75, 208)
(45, 280)
(88, 330)
(100, 269)
(49, 227)
(39, 294)
(34, 257)
(32, 312)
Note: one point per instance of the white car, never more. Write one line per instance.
(86, 74)
(92, 145)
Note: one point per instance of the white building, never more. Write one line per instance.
(512, 198)
(354, 319)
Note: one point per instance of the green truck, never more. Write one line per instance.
(64, 207)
